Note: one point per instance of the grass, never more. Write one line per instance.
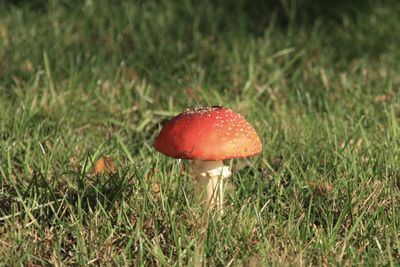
(84, 80)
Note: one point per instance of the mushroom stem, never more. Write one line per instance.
(212, 173)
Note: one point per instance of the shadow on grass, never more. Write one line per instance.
(256, 13)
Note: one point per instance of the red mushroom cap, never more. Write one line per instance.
(215, 133)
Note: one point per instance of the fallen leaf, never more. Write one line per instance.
(320, 188)
(363, 247)
(383, 98)
(149, 179)
(156, 187)
(104, 165)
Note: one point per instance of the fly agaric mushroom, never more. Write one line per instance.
(207, 136)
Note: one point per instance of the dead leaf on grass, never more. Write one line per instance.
(150, 179)
(383, 98)
(320, 188)
(105, 165)
(156, 187)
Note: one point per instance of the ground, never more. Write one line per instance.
(86, 82)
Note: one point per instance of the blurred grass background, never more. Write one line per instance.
(319, 80)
